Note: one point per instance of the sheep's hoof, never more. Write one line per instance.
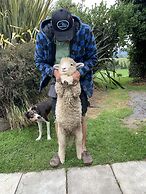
(79, 156)
(65, 83)
(62, 160)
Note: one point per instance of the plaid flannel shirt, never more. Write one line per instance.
(82, 49)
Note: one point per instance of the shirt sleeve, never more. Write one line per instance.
(90, 52)
(40, 57)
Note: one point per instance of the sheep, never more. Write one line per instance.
(68, 107)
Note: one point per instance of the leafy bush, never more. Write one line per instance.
(19, 80)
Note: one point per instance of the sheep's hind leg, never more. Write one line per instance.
(61, 144)
(78, 139)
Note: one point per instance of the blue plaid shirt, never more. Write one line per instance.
(82, 49)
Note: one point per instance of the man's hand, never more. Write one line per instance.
(76, 76)
(57, 75)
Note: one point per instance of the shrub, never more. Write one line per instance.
(19, 80)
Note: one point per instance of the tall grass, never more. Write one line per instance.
(16, 118)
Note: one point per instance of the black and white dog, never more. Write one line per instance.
(39, 113)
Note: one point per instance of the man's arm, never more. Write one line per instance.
(41, 60)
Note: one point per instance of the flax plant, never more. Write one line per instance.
(17, 16)
(4, 42)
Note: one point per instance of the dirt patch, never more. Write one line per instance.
(96, 103)
(138, 104)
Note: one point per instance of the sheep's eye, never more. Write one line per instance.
(71, 64)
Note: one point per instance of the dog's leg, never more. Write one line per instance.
(40, 131)
(48, 130)
(78, 140)
(61, 144)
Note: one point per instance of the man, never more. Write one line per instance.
(64, 35)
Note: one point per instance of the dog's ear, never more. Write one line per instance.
(26, 114)
(34, 108)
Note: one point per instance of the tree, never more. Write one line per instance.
(101, 20)
(137, 32)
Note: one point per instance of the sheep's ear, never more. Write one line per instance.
(56, 66)
(78, 65)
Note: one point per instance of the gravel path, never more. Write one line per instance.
(138, 103)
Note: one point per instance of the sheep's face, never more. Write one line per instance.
(67, 66)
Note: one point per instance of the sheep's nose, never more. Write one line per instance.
(63, 68)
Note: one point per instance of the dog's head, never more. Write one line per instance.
(33, 115)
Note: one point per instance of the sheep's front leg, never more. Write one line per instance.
(59, 89)
(78, 140)
(76, 90)
(61, 143)
(67, 79)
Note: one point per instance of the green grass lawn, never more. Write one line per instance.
(122, 60)
(102, 80)
(123, 72)
(108, 139)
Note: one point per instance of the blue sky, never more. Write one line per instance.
(89, 3)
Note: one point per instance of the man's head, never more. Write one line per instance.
(63, 25)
